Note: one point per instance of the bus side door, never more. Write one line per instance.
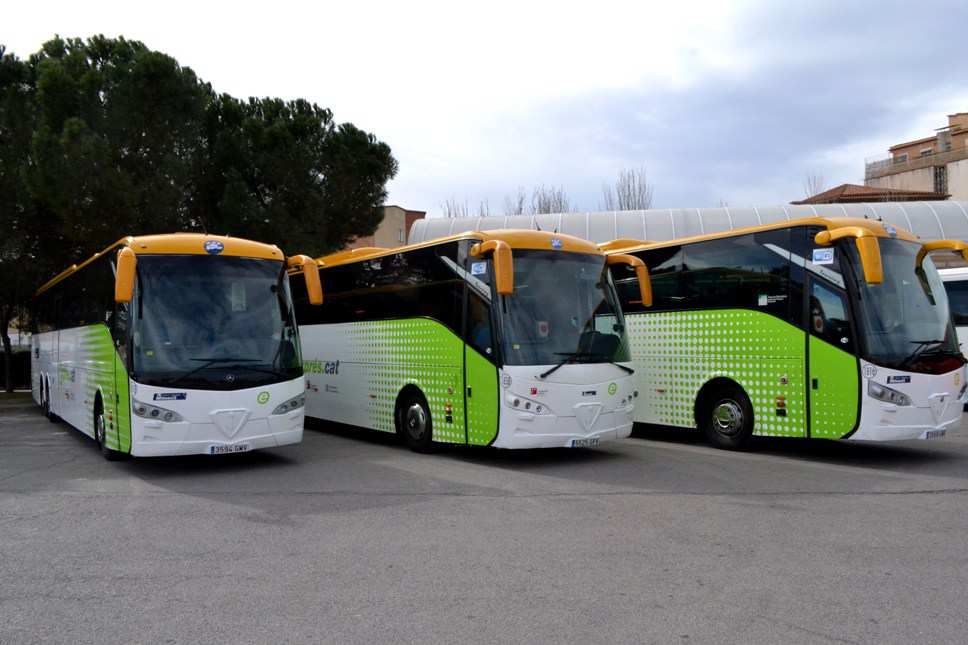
(832, 372)
(481, 390)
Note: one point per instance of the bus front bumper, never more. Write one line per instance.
(166, 439)
(552, 431)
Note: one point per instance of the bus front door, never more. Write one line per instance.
(481, 390)
(832, 368)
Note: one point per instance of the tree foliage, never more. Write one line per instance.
(104, 137)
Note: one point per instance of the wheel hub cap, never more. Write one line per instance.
(728, 418)
(416, 421)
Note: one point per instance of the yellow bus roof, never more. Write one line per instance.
(516, 239)
(876, 227)
(177, 244)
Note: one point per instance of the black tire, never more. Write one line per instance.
(414, 424)
(725, 416)
(45, 397)
(100, 433)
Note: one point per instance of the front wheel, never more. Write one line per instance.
(100, 434)
(726, 417)
(414, 424)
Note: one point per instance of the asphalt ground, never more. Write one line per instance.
(354, 539)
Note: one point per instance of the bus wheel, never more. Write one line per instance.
(413, 422)
(45, 397)
(726, 417)
(100, 432)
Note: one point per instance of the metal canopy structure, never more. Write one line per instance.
(937, 220)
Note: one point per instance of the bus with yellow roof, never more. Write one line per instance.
(504, 338)
(174, 345)
(824, 328)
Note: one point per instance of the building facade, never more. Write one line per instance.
(392, 231)
(937, 164)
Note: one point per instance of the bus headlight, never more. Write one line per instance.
(294, 403)
(153, 412)
(889, 395)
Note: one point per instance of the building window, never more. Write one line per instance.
(925, 152)
(941, 180)
(901, 158)
(400, 236)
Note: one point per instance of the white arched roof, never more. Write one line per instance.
(928, 220)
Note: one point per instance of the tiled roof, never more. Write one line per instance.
(849, 193)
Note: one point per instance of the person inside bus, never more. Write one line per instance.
(479, 322)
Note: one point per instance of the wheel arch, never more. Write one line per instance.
(708, 388)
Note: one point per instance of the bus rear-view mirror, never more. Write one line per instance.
(124, 277)
(503, 264)
(641, 273)
(867, 247)
(310, 271)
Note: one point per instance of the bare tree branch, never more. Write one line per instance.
(813, 184)
(632, 191)
(549, 200)
(453, 208)
(515, 205)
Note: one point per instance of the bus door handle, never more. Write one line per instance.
(815, 384)
(468, 392)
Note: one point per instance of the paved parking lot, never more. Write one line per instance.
(357, 540)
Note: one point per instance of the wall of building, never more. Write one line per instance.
(921, 179)
(958, 179)
(392, 231)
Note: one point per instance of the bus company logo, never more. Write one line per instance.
(263, 398)
(899, 378)
(537, 392)
(589, 392)
(315, 366)
(170, 396)
(612, 389)
(214, 247)
(556, 243)
(890, 230)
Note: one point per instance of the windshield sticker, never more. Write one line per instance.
(214, 247)
(543, 328)
(171, 396)
(823, 256)
(237, 296)
(479, 268)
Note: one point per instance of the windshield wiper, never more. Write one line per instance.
(571, 357)
(208, 362)
(922, 347)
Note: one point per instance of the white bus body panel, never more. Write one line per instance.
(577, 405)
(240, 419)
(883, 421)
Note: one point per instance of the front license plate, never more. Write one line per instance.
(584, 443)
(934, 434)
(223, 449)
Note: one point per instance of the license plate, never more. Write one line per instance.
(934, 434)
(224, 449)
(584, 443)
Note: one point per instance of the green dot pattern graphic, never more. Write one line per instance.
(100, 368)
(676, 353)
(421, 352)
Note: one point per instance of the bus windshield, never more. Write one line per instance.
(905, 321)
(563, 309)
(212, 323)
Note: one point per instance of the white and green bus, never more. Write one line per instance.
(824, 328)
(173, 345)
(511, 339)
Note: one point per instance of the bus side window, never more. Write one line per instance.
(828, 316)
(479, 333)
(665, 268)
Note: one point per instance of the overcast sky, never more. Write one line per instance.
(721, 102)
